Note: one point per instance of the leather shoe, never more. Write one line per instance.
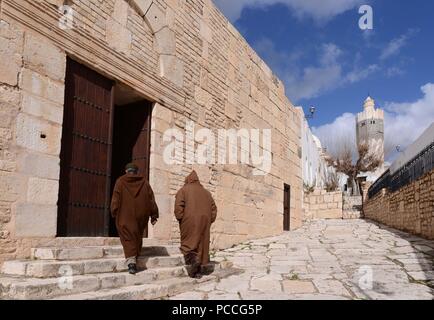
(132, 268)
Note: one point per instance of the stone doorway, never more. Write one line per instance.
(105, 126)
(287, 208)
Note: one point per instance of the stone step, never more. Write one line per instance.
(85, 253)
(159, 289)
(36, 288)
(163, 261)
(77, 242)
(67, 253)
(169, 250)
(149, 291)
(56, 268)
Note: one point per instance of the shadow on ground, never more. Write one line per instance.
(414, 254)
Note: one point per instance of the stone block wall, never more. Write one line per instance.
(409, 209)
(321, 204)
(352, 207)
(32, 71)
(182, 55)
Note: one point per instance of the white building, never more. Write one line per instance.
(314, 166)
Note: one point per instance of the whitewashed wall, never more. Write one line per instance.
(314, 166)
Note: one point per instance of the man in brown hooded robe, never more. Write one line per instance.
(132, 204)
(195, 210)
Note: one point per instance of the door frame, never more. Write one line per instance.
(107, 212)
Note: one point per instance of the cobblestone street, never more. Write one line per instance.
(327, 259)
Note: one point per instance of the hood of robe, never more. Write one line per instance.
(192, 178)
(133, 183)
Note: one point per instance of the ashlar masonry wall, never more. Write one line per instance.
(321, 204)
(182, 55)
(409, 209)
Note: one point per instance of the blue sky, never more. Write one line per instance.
(318, 50)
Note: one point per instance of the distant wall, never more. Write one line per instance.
(331, 205)
(352, 207)
(323, 205)
(410, 208)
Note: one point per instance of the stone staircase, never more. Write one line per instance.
(100, 272)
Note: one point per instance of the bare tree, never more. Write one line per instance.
(332, 182)
(309, 188)
(365, 162)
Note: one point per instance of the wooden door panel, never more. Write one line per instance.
(86, 153)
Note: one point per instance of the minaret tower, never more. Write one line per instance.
(370, 128)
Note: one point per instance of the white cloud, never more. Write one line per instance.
(394, 71)
(339, 134)
(395, 45)
(315, 80)
(368, 35)
(319, 10)
(330, 54)
(359, 74)
(324, 75)
(302, 83)
(404, 123)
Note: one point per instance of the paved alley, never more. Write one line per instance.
(327, 259)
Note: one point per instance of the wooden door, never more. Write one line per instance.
(134, 129)
(287, 208)
(85, 157)
(131, 138)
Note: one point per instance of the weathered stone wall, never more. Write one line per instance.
(32, 73)
(321, 204)
(183, 55)
(352, 207)
(410, 209)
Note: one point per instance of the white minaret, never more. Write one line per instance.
(370, 128)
